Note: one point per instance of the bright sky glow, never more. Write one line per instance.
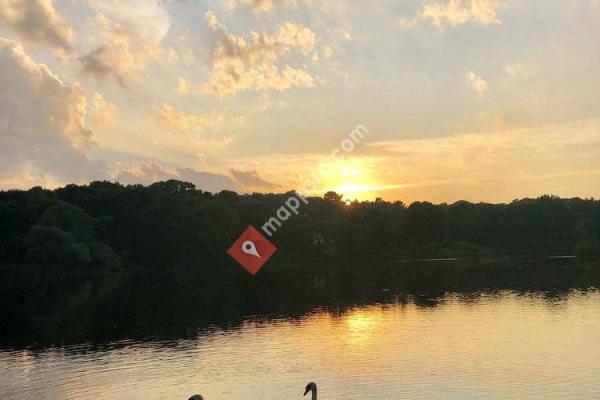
(486, 100)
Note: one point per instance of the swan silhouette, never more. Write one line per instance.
(311, 387)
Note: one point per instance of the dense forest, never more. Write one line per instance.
(108, 260)
(172, 224)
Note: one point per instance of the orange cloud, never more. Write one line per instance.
(240, 64)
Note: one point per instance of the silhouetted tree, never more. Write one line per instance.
(425, 222)
(13, 226)
(68, 218)
(332, 197)
(52, 245)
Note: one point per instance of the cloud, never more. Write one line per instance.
(261, 6)
(101, 113)
(478, 83)
(518, 70)
(149, 172)
(250, 179)
(104, 61)
(240, 64)
(43, 137)
(177, 120)
(457, 12)
(211, 182)
(196, 132)
(36, 21)
(182, 86)
(126, 45)
(141, 173)
(189, 59)
(213, 21)
(148, 19)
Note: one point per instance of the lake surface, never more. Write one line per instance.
(486, 345)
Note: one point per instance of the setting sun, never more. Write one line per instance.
(350, 177)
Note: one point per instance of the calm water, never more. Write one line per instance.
(500, 346)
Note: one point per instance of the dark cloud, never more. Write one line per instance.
(101, 63)
(148, 172)
(251, 180)
(208, 181)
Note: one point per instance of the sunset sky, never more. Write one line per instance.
(483, 100)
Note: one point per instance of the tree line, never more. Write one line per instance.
(173, 224)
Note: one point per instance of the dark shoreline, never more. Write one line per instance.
(44, 307)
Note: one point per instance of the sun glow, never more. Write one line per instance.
(358, 178)
(355, 191)
(352, 178)
(359, 321)
(362, 326)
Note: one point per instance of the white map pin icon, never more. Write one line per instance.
(249, 247)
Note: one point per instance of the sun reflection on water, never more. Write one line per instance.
(503, 346)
